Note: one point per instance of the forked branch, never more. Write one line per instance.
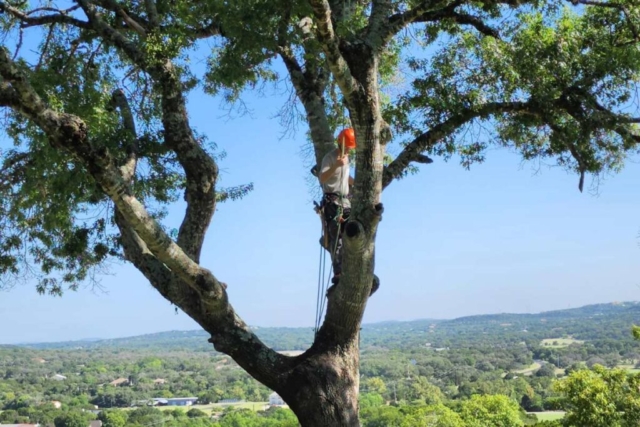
(56, 17)
(431, 11)
(331, 46)
(148, 241)
(413, 152)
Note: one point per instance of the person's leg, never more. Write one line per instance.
(333, 231)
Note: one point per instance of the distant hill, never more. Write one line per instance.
(599, 322)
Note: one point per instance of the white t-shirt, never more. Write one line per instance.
(338, 182)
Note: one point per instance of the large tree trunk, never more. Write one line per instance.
(323, 388)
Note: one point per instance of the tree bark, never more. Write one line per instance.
(322, 390)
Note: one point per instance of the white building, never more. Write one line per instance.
(275, 400)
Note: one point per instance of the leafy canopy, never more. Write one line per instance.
(551, 81)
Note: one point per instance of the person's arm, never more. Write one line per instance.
(351, 180)
(327, 172)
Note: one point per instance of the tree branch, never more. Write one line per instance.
(330, 44)
(413, 151)
(119, 100)
(612, 5)
(8, 96)
(132, 20)
(398, 21)
(309, 87)
(152, 12)
(474, 21)
(111, 35)
(424, 13)
(200, 169)
(69, 133)
(60, 17)
(380, 10)
(231, 335)
(213, 29)
(153, 251)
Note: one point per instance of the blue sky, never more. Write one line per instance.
(502, 237)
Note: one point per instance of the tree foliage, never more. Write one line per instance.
(601, 397)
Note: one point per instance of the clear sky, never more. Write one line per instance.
(502, 237)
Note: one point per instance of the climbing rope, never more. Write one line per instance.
(323, 285)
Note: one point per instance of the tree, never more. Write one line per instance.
(547, 370)
(432, 416)
(145, 416)
(100, 125)
(11, 416)
(375, 385)
(72, 419)
(113, 418)
(600, 397)
(195, 413)
(491, 411)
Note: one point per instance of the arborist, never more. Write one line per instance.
(335, 207)
(335, 180)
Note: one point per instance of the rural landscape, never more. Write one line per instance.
(319, 163)
(502, 370)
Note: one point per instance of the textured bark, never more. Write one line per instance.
(347, 304)
(130, 145)
(322, 390)
(331, 46)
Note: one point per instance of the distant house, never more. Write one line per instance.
(275, 400)
(175, 401)
(96, 423)
(58, 377)
(119, 382)
(159, 381)
(56, 404)
(19, 425)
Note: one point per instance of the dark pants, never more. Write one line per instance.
(332, 214)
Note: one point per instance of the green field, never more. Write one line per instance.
(528, 371)
(549, 415)
(559, 342)
(216, 407)
(629, 368)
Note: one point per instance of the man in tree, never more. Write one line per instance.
(335, 180)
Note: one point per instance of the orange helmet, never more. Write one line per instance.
(348, 138)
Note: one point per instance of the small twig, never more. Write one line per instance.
(74, 46)
(45, 49)
(92, 56)
(19, 45)
(53, 9)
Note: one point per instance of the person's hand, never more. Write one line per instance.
(341, 161)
